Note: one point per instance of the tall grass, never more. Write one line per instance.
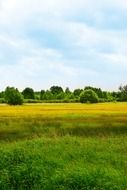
(63, 147)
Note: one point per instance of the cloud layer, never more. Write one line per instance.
(63, 42)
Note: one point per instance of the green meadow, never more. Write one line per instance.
(63, 147)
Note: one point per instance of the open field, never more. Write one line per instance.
(63, 147)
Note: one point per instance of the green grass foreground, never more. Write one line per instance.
(63, 147)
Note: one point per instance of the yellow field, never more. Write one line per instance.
(63, 109)
(61, 119)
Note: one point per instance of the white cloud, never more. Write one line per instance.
(60, 17)
(116, 59)
(22, 10)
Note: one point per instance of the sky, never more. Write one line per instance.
(70, 43)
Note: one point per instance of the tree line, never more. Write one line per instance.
(89, 94)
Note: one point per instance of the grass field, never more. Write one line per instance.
(63, 147)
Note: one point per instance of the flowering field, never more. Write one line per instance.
(63, 146)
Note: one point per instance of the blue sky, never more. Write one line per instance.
(63, 42)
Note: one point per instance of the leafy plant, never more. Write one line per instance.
(88, 96)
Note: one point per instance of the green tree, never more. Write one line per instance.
(55, 90)
(77, 92)
(98, 91)
(2, 94)
(48, 95)
(88, 96)
(28, 93)
(123, 93)
(60, 96)
(13, 96)
(116, 95)
(37, 95)
(42, 93)
(67, 91)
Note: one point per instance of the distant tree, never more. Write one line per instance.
(98, 91)
(71, 96)
(77, 92)
(13, 96)
(67, 91)
(55, 90)
(48, 95)
(110, 97)
(88, 96)
(123, 93)
(37, 95)
(105, 95)
(42, 94)
(28, 93)
(60, 96)
(114, 94)
(68, 94)
(2, 94)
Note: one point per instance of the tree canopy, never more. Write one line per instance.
(57, 94)
(28, 93)
(123, 90)
(13, 96)
(89, 96)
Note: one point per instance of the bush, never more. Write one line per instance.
(28, 93)
(13, 96)
(2, 100)
(89, 96)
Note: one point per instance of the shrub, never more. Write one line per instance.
(89, 96)
(123, 93)
(13, 96)
(28, 93)
(2, 100)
